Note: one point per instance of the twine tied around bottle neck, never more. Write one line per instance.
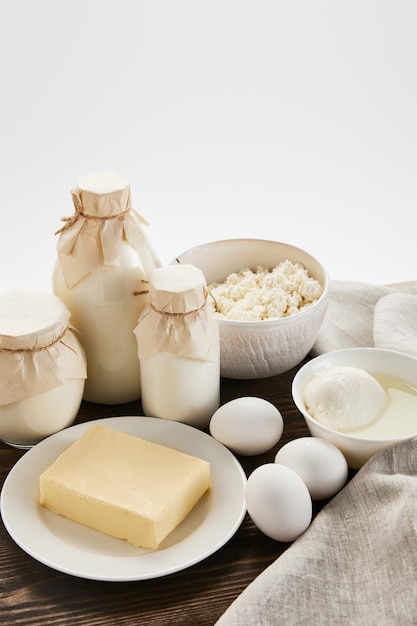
(181, 314)
(142, 292)
(79, 213)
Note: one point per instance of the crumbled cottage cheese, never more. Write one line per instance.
(267, 293)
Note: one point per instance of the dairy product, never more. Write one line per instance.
(124, 486)
(42, 367)
(179, 348)
(180, 389)
(399, 418)
(266, 293)
(103, 258)
(104, 309)
(25, 422)
(344, 398)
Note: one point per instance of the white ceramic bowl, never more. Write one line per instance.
(262, 348)
(357, 450)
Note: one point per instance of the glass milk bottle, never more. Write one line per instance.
(42, 367)
(178, 347)
(104, 257)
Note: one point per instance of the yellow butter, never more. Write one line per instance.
(124, 486)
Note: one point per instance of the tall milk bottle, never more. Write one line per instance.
(104, 257)
(179, 348)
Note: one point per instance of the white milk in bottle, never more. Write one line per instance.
(178, 346)
(104, 257)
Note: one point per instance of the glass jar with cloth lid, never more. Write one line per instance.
(104, 257)
(179, 348)
(42, 367)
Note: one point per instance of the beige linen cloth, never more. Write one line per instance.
(357, 562)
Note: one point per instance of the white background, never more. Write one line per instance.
(289, 120)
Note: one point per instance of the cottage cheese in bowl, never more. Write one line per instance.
(268, 337)
(265, 293)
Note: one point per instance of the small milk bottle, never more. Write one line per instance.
(42, 367)
(104, 257)
(178, 347)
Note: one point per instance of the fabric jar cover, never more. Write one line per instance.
(103, 219)
(38, 349)
(177, 320)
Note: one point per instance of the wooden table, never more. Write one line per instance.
(31, 593)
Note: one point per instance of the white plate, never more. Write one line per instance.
(74, 549)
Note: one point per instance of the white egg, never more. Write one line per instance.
(319, 463)
(278, 502)
(247, 425)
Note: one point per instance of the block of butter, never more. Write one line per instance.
(124, 486)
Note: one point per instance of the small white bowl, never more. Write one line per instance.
(357, 450)
(258, 349)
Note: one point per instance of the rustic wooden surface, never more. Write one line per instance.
(31, 593)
